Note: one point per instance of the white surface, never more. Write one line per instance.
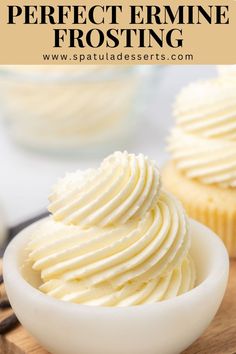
(26, 177)
(167, 327)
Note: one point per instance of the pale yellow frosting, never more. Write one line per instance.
(229, 71)
(69, 106)
(203, 143)
(114, 238)
(124, 187)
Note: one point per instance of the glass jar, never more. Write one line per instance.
(72, 108)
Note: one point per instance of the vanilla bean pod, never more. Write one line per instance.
(4, 304)
(8, 324)
(11, 321)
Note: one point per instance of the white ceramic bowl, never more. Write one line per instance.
(166, 327)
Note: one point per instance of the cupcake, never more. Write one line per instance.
(202, 173)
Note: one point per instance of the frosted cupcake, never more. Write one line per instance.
(202, 172)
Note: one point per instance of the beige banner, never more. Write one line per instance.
(118, 32)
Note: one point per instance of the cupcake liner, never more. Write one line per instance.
(223, 224)
(211, 205)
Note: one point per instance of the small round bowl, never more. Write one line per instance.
(167, 327)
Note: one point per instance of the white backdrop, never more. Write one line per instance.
(26, 177)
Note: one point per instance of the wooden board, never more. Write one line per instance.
(220, 337)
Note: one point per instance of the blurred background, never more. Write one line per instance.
(62, 118)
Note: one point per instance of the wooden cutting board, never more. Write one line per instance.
(219, 338)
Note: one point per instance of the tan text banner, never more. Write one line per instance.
(118, 32)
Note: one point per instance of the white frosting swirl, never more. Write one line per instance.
(228, 71)
(127, 245)
(203, 143)
(124, 187)
(69, 106)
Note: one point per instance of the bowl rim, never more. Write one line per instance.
(220, 269)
